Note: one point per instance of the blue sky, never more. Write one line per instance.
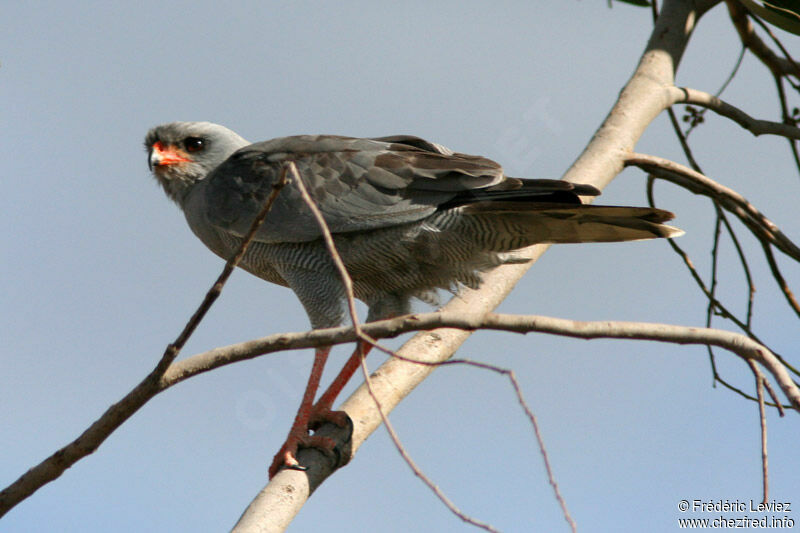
(100, 271)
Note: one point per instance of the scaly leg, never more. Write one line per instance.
(298, 435)
(321, 412)
(312, 416)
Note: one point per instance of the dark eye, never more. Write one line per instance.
(194, 144)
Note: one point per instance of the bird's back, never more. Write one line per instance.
(408, 216)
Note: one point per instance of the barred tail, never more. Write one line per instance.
(505, 226)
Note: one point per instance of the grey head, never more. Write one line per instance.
(180, 154)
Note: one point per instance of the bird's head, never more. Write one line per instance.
(180, 154)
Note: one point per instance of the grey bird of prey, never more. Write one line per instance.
(407, 216)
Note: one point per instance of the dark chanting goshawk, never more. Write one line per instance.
(407, 216)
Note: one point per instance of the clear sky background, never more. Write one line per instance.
(100, 271)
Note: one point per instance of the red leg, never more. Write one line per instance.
(325, 401)
(314, 415)
(298, 435)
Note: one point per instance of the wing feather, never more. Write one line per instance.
(362, 185)
(358, 184)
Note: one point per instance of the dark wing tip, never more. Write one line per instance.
(657, 215)
(584, 189)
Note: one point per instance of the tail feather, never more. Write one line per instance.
(512, 225)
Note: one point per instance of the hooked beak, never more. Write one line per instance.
(162, 155)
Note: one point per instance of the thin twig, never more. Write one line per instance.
(721, 309)
(687, 150)
(521, 400)
(717, 378)
(787, 118)
(713, 288)
(751, 286)
(732, 201)
(775, 403)
(88, 441)
(774, 397)
(720, 215)
(708, 292)
(230, 265)
(410, 462)
(327, 238)
(763, 228)
(779, 279)
(728, 80)
(763, 418)
(698, 183)
(722, 219)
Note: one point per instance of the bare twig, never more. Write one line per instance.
(687, 150)
(685, 95)
(693, 181)
(713, 304)
(410, 462)
(760, 225)
(198, 364)
(751, 286)
(787, 118)
(774, 397)
(762, 415)
(710, 293)
(696, 120)
(330, 245)
(720, 308)
(742, 345)
(52, 467)
(528, 412)
(779, 279)
(713, 289)
(775, 403)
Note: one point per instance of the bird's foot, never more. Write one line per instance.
(287, 455)
(322, 414)
(299, 438)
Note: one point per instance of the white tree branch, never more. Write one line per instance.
(685, 95)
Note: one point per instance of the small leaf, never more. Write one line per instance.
(781, 13)
(641, 3)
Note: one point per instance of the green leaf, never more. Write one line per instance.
(784, 14)
(641, 3)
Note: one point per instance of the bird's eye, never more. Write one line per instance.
(194, 144)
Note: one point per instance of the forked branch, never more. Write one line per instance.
(735, 203)
(685, 95)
